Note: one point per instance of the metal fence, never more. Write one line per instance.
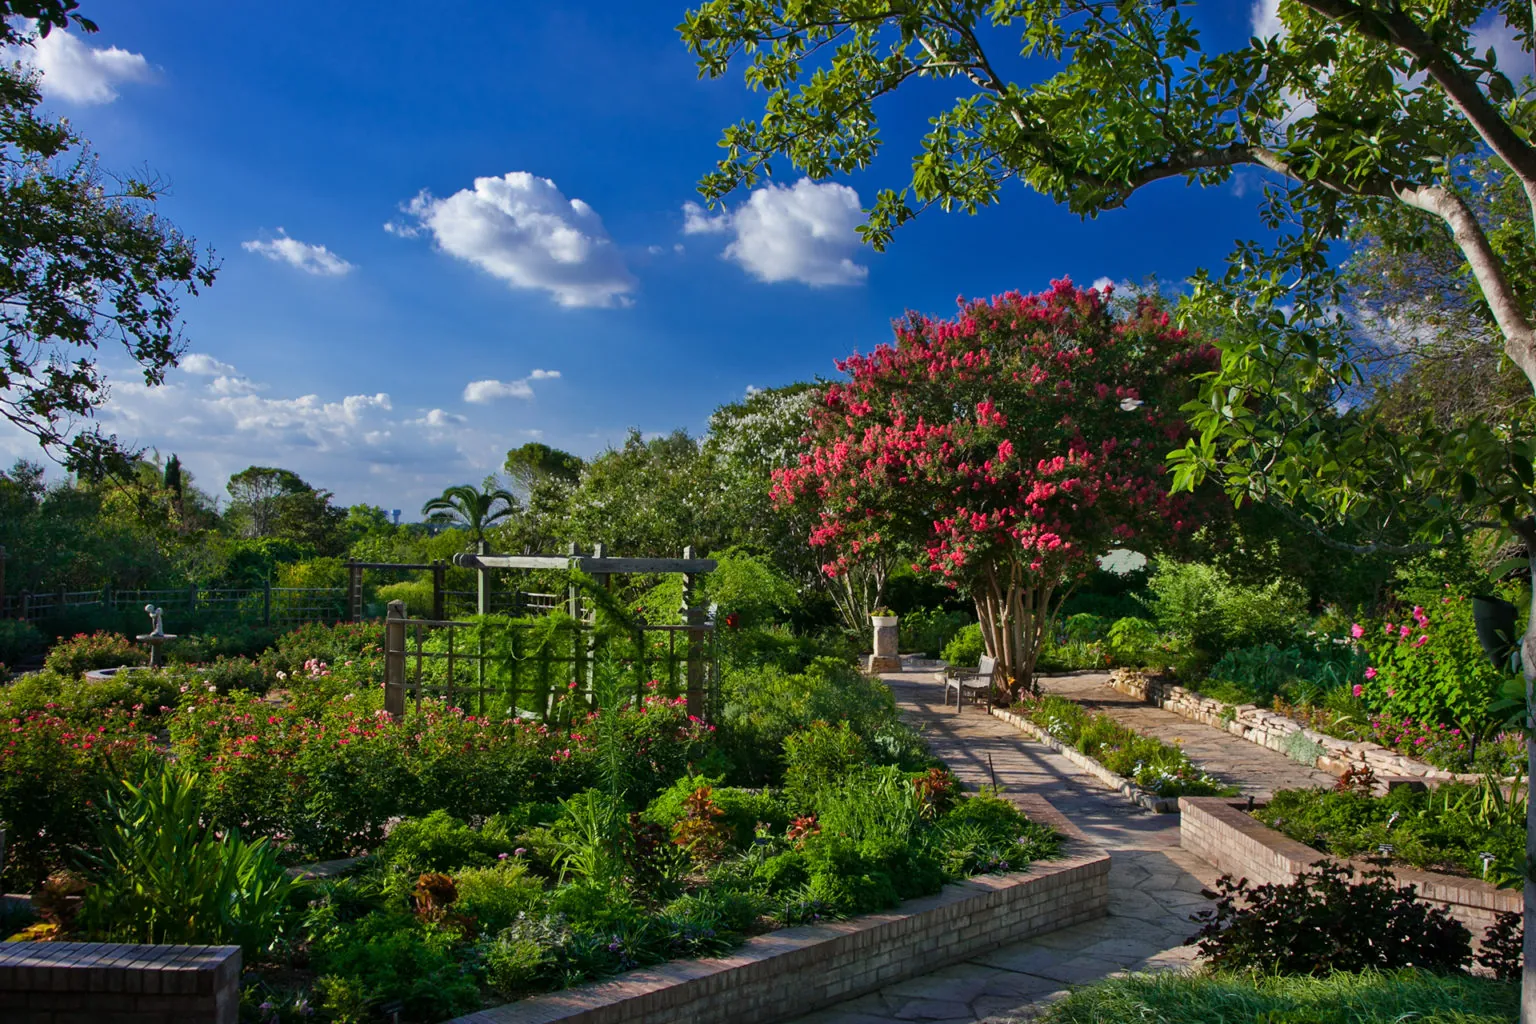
(523, 668)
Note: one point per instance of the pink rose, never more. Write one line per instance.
(1403, 632)
(1357, 631)
(1421, 641)
(1370, 673)
(1358, 690)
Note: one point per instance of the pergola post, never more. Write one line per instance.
(693, 615)
(394, 660)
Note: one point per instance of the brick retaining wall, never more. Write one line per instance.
(1278, 732)
(796, 971)
(1218, 831)
(102, 982)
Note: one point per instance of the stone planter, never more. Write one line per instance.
(1219, 832)
(885, 658)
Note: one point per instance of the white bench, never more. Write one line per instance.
(974, 681)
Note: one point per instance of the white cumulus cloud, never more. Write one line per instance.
(310, 258)
(78, 73)
(802, 232)
(1266, 19)
(204, 365)
(523, 230)
(480, 392)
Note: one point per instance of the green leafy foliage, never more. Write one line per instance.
(1448, 829)
(966, 647)
(930, 631)
(160, 876)
(19, 640)
(1216, 614)
(1365, 997)
(82, 653)
(1153, 765)
(1426, 665)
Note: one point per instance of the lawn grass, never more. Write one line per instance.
(1365, 998)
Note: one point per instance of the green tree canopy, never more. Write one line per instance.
(84, 261)
(471, 508)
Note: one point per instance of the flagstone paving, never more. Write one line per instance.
(1154, 886)
(1256, 771)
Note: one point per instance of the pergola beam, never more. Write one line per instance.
(586, 563)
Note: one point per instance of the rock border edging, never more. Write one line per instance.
(1119, 783)
(1277, 732)
(795, 971)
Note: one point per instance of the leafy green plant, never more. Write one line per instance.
(818, 758)
(1426, 665)
(1133, 641)
(1155, 766)
(86, 651)
(19, 639)
(388, 957)
(1325, 921)
(1216, 613)
(966, 647)
(1449, 829)
(440, 842)
(160, 876)
(1364, 997)
(930, 630)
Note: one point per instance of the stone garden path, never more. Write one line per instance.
(1154, 886)
(1256, 771)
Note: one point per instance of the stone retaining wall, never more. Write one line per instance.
(795, 971)
(1218, 831)
(102, 982)
(1278, 732)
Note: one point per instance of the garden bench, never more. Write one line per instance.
(975, 681)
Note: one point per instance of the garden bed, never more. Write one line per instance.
(1279, 732)
(796, 971)
(1078, 734)
(1125, 787)
(1219, 831)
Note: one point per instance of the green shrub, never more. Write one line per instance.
(1303, 673)
(750, 588)
(966, 647)
(160, 877)
(1326, 921)
(985, 833)
(84, 700)
(930, 631)
(84, 652)
(495, 896)
(1201, 602)
(1368, 997)
(1155, 766)
(19, 640)
(820, 758)
(1426, 665)
(764, 705)
(1133, 641)
(439, 842)
(392, 957)
(741, 809)
(1453, 825)
(1085, 627)
(417, 595)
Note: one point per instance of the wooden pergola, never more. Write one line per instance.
(598, 565)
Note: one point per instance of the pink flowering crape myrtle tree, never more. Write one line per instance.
(1004, 450)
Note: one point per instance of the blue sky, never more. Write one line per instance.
(281, 131)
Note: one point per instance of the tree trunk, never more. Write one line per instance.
(1014, 615)
(1528, 668)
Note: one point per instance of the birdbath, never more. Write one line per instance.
(156, 636)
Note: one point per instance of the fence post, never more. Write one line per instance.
(355, 591)
(439, 579)
(2, 581)
(394, 659)
(482, 582)
(694, 616)
(191, 598)
(26, 605)
(266, 603)
(63, 602)
(106, 597)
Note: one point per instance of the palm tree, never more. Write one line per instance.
(473, 509)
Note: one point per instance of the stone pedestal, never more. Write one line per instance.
(885, 658)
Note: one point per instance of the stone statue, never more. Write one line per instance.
(154, 617)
